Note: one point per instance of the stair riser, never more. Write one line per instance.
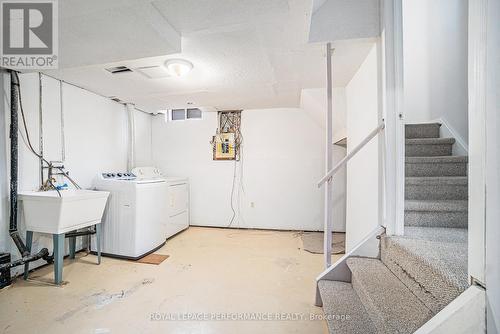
(436, 192)
(391, 307)
(428, 150)
(374, 315)
(457, 219)
(436, 169)
(340, 298)
(422, 131)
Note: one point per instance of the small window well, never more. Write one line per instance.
(178, 114)
(184, 114)
(193, 113)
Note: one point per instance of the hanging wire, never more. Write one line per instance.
(27, 140)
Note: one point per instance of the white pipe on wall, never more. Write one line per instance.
(131, 135)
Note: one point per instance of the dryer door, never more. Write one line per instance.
(178, 206)
(178, 198)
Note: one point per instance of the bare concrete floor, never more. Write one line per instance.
(210, 271)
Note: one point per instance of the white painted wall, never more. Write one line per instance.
(313, 101)
(435, 62)
(143, 139)
(95, 136)
(283, 158)
(364, 179)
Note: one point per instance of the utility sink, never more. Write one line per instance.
(45, 211)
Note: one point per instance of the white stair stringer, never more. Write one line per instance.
(463, 315)
(339, 271)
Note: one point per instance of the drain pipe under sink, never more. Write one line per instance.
(15, 102)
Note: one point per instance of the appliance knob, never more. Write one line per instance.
(113, 174)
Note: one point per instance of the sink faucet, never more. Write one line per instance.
(49, 182)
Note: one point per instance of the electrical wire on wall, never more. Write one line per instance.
(227, 145)
(27, 141)
(231, 122)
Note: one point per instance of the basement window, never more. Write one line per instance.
(178, 114)
(193, 113)
(184, 114)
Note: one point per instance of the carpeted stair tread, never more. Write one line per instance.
(423, 147)
(435, 271)
(429, 141)
(438, 159)
(436, 205)
(430, 180)
(340, 299)
(426, 130)
(436, 166)
(391, 306)
(445, 234)
(436, 188)
(436, 213)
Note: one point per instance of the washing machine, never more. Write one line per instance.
(177, 203)
(136, 214)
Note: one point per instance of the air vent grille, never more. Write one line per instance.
(116, 99)
(118, 69)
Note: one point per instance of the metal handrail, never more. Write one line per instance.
(348, 157)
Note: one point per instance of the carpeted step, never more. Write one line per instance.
(391, 306)
(427, 130)
(427, 147)
(434, 213)
(445, 234)
(344, 312)
(435, 271)
(436, 166)
(429, 188)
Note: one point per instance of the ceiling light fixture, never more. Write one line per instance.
(178, 67)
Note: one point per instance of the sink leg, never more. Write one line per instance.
(98, 231)
(58, 257)
(29, 241)
(72, 247)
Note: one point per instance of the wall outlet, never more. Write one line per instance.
(252, 204)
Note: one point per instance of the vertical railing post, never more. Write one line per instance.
(394, 117)
(327, 247)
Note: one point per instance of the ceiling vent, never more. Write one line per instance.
(116, 99)
(118, 69)
(153, 72)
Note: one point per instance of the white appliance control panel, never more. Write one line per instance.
(147, 172)
(118, 176)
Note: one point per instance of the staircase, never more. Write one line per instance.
(417, 274)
